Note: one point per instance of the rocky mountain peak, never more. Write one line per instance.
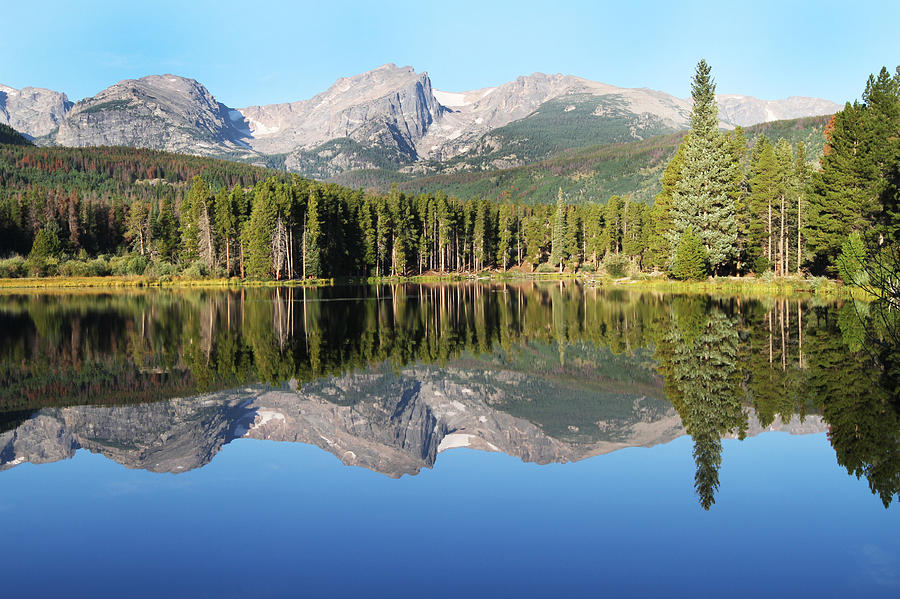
(166, 112)
(387, 118)
(33, 111)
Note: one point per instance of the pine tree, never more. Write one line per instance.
(138, 227)
(193, 207)
(165, 230)
(855, 188)
(573, 247)
(312, 239)
(702, 200)
(764, 183)
(506, 232)
(691, 260)
(225, 225)
(659, 245)
(802, 177)
(256, 236)
(558, 240)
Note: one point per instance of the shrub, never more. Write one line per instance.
(129, 264)
(12, 268)
(161, 270)
(587, 267)
(544, 267)
(98, 267)
(761, 264)
(197, 270)
(616, 265)
(691, 258)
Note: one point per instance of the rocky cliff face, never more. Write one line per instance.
(388, 106)
(162, 112)
(32, 111)
(393, 424)
(746, 110)
(386, 118)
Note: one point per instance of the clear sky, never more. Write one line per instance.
(266, 51)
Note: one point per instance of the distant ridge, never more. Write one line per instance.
(390, 118)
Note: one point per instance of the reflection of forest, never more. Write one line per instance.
(720, 359)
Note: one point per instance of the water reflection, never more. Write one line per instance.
(387, 377)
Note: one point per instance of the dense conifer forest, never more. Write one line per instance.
(726, 206)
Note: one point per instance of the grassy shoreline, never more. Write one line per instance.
(788, 286)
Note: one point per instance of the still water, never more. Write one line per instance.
(473, 439)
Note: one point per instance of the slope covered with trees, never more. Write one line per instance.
(587, 174)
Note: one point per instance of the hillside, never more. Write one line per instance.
(10, 136)
(589, 174)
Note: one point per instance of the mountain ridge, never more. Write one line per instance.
(390, 117)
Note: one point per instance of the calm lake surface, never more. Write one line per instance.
(447, 440)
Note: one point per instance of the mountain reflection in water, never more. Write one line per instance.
(387, 377)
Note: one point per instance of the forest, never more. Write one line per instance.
(726, 207)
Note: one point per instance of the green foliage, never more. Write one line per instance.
(12, 268)
(46, 245)
(851, 264)
(702, 199)
(10, 136)
(856, 189)
(616, 265)
(691, 259)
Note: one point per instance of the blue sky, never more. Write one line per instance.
(266, 51)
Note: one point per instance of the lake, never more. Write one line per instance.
(478, 439)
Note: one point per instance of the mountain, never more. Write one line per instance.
(32, 111)
(161, 112)
(390, 118)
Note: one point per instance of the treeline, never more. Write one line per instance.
(83, 195)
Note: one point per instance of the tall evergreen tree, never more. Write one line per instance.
(853, 191)
(558, 240)
(702, 199)
(312, 239)
(659, 241)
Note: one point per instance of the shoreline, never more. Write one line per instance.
(788, 286)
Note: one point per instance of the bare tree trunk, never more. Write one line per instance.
(769, 234)
(291, 252)
(798, 235)
(781, 243)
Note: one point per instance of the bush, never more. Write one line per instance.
(616, 265)
(98, 267)
(544, 267)
(197, 270)
(42, 267)
(161, 270)
(12, 268)
(761, 265)
(691, 258)
(587, 267)
(128, 265)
